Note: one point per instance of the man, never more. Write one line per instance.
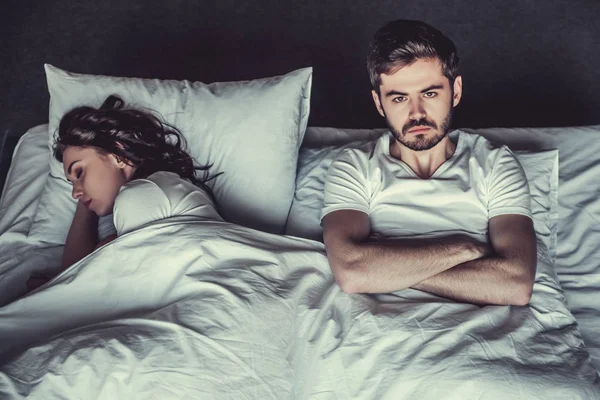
(444, 213)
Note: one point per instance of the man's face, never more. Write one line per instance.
(417, 102)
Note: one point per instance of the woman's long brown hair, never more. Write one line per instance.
(139, 138)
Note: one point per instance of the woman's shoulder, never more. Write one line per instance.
(149, 185)
(163, 181)
(167, 186)
(165, 177)
(154, 188)
(172, 184)
(139, 202)
(160, 195)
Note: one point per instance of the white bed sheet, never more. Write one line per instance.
(193, 309)
(578, 255)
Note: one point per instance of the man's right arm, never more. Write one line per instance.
(362, 266)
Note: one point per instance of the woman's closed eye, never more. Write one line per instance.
(76, 174)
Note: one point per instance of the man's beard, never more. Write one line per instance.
(420, 141)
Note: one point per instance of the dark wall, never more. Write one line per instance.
(524, 63)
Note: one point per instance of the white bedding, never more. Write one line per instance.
(24, 182)
(20, 256)
(183, 309)
(253, 315)
(578, 251)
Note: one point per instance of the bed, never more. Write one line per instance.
(248, 308)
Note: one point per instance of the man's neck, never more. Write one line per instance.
(424, 163)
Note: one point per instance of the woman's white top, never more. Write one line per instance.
(159, 196)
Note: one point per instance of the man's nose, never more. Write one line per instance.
(417, 112)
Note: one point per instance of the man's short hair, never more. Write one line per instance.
(402, 42)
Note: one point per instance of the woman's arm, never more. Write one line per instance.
(82, 238)
(106, 241)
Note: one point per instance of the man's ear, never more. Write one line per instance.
(457, 91)
(378, 103)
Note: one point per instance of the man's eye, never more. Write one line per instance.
(399, 99)
(430, 94)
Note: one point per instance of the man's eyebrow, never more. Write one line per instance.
(427, 89)
(432, 87)
(395, 93)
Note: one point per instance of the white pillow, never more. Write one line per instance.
(249, 131)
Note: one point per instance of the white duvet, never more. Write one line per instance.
(186, 309)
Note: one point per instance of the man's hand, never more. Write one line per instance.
(361, 264)
(504, 276)
(480, 249)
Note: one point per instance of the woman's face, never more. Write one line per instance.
(96, 177)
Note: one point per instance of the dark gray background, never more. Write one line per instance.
(524, 63)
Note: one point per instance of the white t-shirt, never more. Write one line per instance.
(476, 183)
(159, 196)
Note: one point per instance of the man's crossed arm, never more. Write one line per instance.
(457, 266)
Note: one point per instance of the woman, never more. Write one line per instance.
(129, 163)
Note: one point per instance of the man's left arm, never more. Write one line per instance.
(506, 277)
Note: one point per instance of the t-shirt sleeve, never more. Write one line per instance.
(508, 189)
(159, 196)
(138, 203)
(185, 198)
(346, 185)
